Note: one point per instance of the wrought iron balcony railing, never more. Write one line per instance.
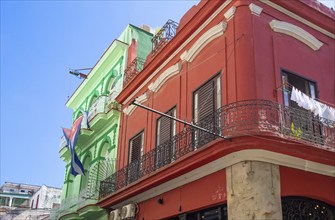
(166, 33)
(134, 68)
(251, 117)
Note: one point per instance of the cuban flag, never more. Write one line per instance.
(71, 137)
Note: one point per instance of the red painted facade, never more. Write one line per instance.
(249, 57)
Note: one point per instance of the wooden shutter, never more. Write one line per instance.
(165, 128)
(206, 100)
(135, 148)
(205, 105)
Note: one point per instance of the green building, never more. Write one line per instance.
(96, 146)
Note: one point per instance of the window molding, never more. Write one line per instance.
(141, 99)
(296, 32)
(165, 76)
(205, 39)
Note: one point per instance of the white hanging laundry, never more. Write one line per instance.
(313, 105)
(325, 112)
(318, 108)
(294, 94)
(306, 103)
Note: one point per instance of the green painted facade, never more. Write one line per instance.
(97, 147)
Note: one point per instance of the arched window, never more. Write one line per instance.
(296, 208)
(84, 178)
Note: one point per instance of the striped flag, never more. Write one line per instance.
(71, 137)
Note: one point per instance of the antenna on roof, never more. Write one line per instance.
(78, 73)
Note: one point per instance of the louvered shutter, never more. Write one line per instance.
(165, 131)
(164, 137)
(135, 145)
(135, 157)
(206, 100)
(205, 105)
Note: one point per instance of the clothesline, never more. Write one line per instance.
(291, 86)
(312, 105)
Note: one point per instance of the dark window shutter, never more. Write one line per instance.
(165, 131)
(205, 112)
(136, 144)
(206, 100)
(164, 148)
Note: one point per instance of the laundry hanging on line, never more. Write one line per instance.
(310, 104)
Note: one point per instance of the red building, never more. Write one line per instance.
(230, 67)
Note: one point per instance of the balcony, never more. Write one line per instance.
(132, 70)
(101, 107)
(166, 33)
(244, 118)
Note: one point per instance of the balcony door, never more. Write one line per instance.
(165, 146)
(206, 102)
(135, 152)
(299, 122)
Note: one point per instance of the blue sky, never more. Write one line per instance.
(40, 40)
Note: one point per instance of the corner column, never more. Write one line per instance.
(253, 190)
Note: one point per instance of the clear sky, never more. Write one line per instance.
(40, 40)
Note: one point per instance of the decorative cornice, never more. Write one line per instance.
(296, 32)
(141, 99)
(167, 74)
(205, 39)
(255, 9)
(230, 13)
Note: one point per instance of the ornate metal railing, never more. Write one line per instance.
(306, 208)
(132, 70)
(251, 117)
(165, 34)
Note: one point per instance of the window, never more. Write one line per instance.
(135, 153)
(306, 86)
(165, 148)
(206, 102)
(298, 121)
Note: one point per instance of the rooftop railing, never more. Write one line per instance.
(165, 34)
(244, 118)
(132, 70)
